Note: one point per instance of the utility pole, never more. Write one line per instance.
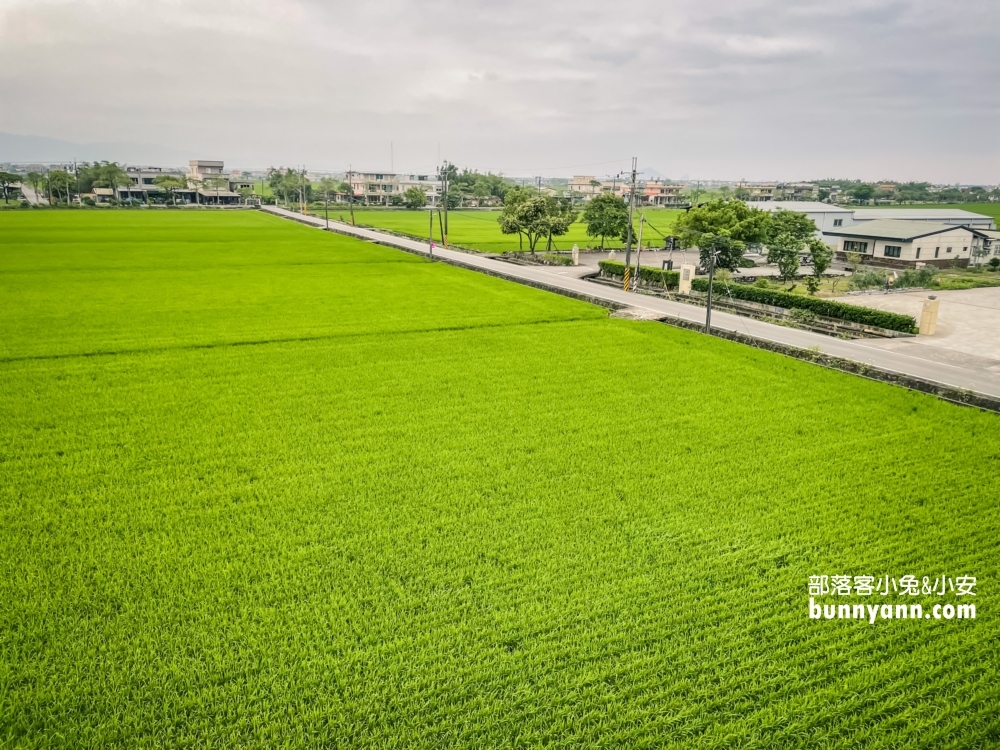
(711, 277)
(538, 184)
(326, 200)
(638, 255)
(628, 236)
(430, 233)
(350, 191)
(444, 230)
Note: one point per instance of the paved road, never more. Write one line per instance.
(31, 196)
(567, 280)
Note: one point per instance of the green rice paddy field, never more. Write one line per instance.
(479, 230)
(265, 486)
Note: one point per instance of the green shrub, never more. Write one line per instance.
(801, 315)
(995, 264)
(867, 279)
(827, 308)
(920, 277)
(669, 279)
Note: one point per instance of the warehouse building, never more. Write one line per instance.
(907, 244)
(952, 216)
(825, 216)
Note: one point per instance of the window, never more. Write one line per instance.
(891, 251)
(948, 250)
(937, 251)
(918, 252)
(838, 222)
(965, 249)
(850, 246)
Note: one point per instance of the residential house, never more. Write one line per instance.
(373, 188)
(759, 192)
(798, 191)
(662, 193)
(430, 184)
(585, 185)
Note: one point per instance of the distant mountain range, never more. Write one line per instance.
(32, 149)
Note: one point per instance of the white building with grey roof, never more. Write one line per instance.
(908, 244)
(953, 216)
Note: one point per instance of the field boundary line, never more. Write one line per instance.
(981, 401)
(288, 340)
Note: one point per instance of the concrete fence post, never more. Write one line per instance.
(929, 316)
(687, 274)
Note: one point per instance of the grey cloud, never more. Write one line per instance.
(728, 88)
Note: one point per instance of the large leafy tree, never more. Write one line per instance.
(606, 216)
(510, 217)
(789, 233)
(276, 181)
(862, 193)
(88, 176)
(216, 183)
(559, 217)
(107, 174)
(35, 179)
(61, 184)
(476, 185)
(533, 217)
(724, 228)
(171, 184)
(7, 182)
(821, 256)
(327, 187)
(415, 198)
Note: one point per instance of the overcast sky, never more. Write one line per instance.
(728, 89)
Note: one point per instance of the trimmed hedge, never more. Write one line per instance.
(828, 308)
(652, 275)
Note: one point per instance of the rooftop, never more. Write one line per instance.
(801, 207)
(894, 229)
(927, 214)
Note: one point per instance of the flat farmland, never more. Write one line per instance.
(479, 230)
(262, 485)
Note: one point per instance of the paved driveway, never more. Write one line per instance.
(968, 330)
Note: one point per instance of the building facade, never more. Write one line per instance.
(907, 244)
(825, 216)
(661, 193)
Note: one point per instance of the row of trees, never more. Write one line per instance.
(59, 185)
(912, 192)
(725, 229)
(533, 217)
(465, 187)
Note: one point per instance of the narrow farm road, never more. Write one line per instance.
(562, 280)
(31, 195)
